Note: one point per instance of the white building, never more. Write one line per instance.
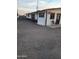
(47, 17)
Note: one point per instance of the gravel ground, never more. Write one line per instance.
(37, 42)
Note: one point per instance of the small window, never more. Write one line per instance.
(52, 15)
(41, 14)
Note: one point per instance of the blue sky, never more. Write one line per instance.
(30, 5)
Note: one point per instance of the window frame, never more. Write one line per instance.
(41, 14)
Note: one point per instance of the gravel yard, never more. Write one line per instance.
(37, 42)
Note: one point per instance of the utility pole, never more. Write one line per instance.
(37, 6)
(37, 10)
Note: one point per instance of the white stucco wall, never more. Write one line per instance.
(49, 21)
(36, 16)
(41, 20)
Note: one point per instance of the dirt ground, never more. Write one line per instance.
(37, 42)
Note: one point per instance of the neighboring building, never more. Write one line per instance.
(28, 15)
(47, 17)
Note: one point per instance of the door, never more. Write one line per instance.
(58, 18)
(33, 16)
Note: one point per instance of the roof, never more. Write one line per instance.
(45, 10)
(50, 9)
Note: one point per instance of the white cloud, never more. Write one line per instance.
(30, 5)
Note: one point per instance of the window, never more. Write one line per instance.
(52, 15)
(41, 14)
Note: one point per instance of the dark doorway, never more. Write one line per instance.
(33, 16)
(58, 18)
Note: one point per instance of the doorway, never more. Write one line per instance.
(33, 16)
(58, 17)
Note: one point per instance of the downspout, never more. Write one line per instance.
(37, 16)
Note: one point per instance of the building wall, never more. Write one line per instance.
(49, 21)
(36, 16)
(41, 20)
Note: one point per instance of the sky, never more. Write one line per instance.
(26, 6)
